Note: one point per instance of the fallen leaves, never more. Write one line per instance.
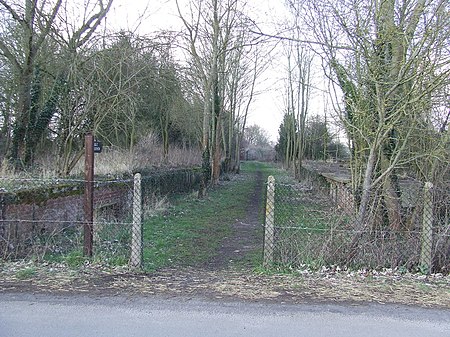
(385, 286)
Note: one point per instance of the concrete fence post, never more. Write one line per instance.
(136, 235)
(427, 229)
(269, 230)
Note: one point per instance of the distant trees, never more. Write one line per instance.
(319, 143)
(125, 90)
(286, 143)
(142, 87)
(302, 136)
(317, 139)
(256, 136)
(256, 144)
(298, 88)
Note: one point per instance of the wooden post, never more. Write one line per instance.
(88, 193)
(269, 230)
(136, 235)
(426, 262)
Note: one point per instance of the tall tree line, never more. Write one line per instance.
(63, 77)
(226, 64)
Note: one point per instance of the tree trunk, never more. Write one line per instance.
(21, 125)
(363, 209)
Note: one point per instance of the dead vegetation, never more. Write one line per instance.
(304, 286)
(147, 154)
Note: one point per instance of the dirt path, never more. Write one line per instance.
(246, 234)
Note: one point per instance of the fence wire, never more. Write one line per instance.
(317, 222)
(46, 219)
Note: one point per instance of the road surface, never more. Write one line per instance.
(76, 315)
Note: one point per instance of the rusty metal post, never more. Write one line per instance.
(88, 194)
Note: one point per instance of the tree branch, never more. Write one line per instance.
(77, 41)
(7, 53)
(12, 12)
(286, 38)
(48, 25)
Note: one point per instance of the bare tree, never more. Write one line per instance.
(216, 38)
(245, 64)
(299, 67)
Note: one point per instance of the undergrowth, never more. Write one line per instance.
(113, 160)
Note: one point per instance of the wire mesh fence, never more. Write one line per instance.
(47, 219)
(318, 222)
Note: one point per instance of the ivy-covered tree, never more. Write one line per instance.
(390, 60)
(28, 46)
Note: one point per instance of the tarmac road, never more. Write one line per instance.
(81, 315)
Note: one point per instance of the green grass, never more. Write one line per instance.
(73, 258)
(293, 210)
(26, 273)
(111, 247)
(302, 221)
(190, 232)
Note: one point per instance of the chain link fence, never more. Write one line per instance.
(316, 222)
(49, 220)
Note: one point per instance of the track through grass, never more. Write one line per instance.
(190, 231)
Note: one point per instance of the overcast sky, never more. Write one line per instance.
(267, 109)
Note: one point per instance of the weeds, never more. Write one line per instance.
(145, 154)
(27, 273)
